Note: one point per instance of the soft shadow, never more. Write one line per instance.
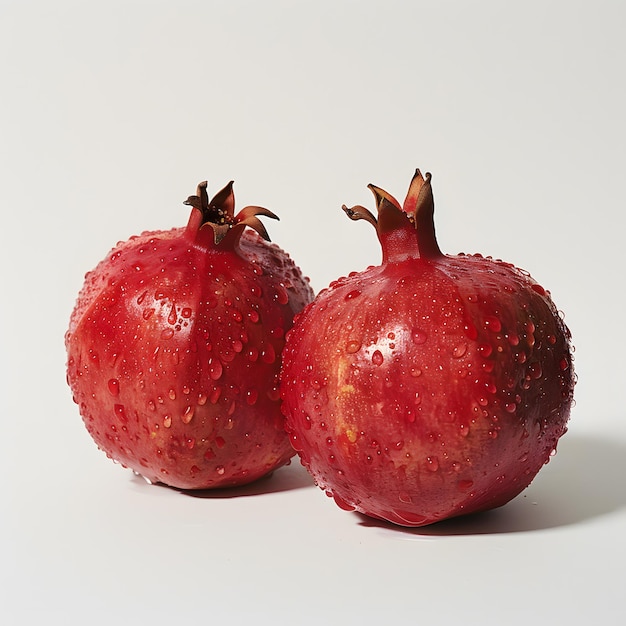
(286, 478)
(585, 480)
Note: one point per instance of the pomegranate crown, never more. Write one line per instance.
(406, 231)
(218, 213)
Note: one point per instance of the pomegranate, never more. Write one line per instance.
(429, 386)
(174, 348)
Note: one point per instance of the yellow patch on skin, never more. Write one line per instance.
(347, 389)
(351, 435)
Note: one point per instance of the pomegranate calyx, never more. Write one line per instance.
(218, 213)
(405, 231)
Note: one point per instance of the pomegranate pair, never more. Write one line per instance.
(423, 388)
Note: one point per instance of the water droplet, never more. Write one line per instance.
(220, 442)
(511, 407)
(493, 324)
(484, 349)
(563, 364)
(470, 331)
(268, 354)
(459, 351)
(172, 317)
(172, 394)
(405, 497)
(353, 346)
(280, 294)
(215, 368)
(187, 416)
(432, 463)
(120, 412)
(539, 289)
(147, 313)
(377, 358)
(419, 336)
(255, 290)
(253, 316)
(114, 387)
(167, 333)
(167, 421)
(464, 485)
(535, 371)
(342, 504)
(186, 312)
(142, 297)
(513, 339)
(252, 354)
(237, 346)
(220, 470)
(252, 395)
(353, 294)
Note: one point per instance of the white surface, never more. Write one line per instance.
(110, 113)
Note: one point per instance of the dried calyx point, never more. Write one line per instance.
(218, 212)
(415, 214)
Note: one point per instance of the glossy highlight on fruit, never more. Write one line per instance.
(174, 348)
(429, 386)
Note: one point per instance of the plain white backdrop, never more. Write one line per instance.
(111, 112)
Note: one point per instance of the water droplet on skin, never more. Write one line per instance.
(470, 331)
(220, 442)
(215, 368)
(237, 346)
(377, 358)
(432, 463)
(167, 421)
(353, 346)
(167, 333)
(172, 317)
(513, 339)
(464, 485)
(172, 394)
(186, 312)
(485, 350)
(120, 412)
(202, 398)
(252, 395)
(535, 371)
(405, 497)
(281, 295)
(511, 407)
(563, 364)
(253, 316)
(268, 354)
(147, 314)
(539, 289)
(220, 469)
(459, 351)
(353, 294)
(256, 291)
(187, 416)
(419, 336)
(493, 324)
(142, 297)
(114, 387)
(342, 504)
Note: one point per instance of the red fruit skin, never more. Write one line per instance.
(427, 388)
(174, 352)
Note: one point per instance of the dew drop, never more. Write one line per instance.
(220, 442)
(215, 368)
(167, 421)
(377, 358)
(459, 351)
(172, 394)
(220, 470)
(172, 317)
(114, 387)
(484, 349)
(353, 294)
(493, 324)
(252, 395)
(253, 316)
(187, 416)
(147, 314)
(186, 312)
(419, 336)
(353, 346)
(539, 289)
(432, 463)
(167, 333)
(237, 346)
(464, 485)
(268, 354)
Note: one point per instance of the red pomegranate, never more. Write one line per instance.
(431, 385)
(174, 348)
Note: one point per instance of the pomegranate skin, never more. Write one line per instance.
(174, 352)
(427, 387)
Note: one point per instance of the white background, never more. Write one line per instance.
(111, 112)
